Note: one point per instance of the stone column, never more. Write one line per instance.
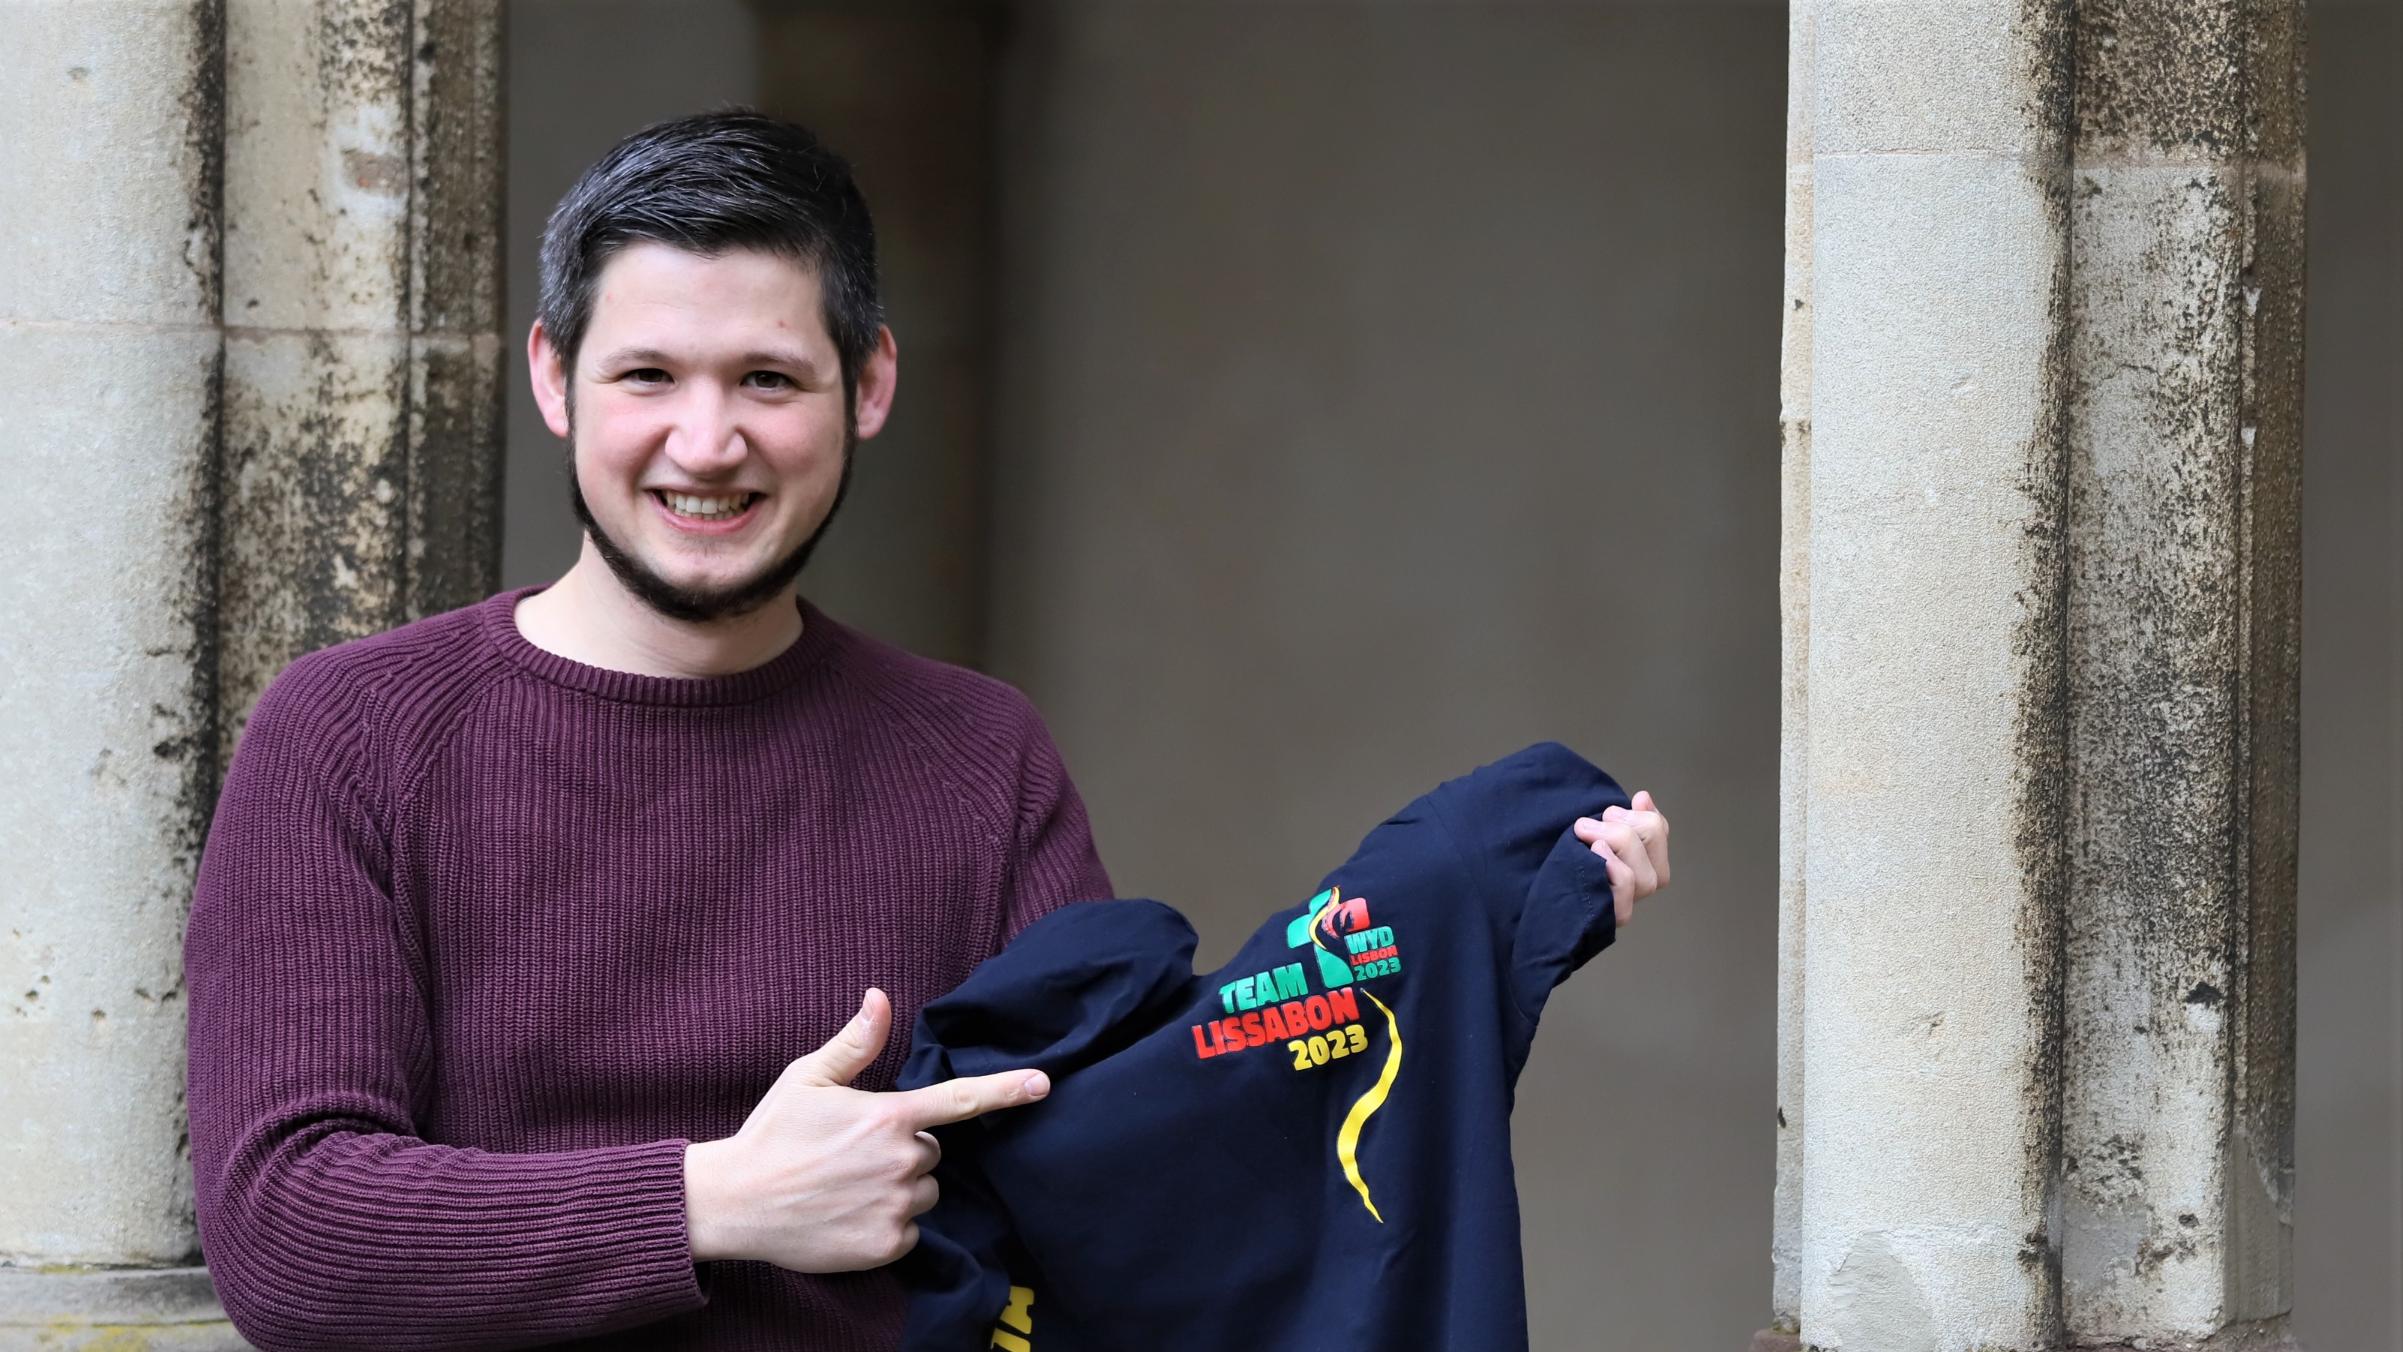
(2183, 645)
(2045, 625)
(362, 302)
(253, 314)
(109, 328)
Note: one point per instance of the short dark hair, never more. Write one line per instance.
(708, 183)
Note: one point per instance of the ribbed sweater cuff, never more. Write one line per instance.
(437, 1247)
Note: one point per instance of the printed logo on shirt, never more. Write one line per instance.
(1346, 945)
(1319, 1028)
(1371, 953)
(1014, 1329)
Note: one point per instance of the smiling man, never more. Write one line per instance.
(545, 953)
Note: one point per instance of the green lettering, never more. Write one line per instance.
(1291, 984)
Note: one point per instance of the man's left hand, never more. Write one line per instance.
(1634, 845)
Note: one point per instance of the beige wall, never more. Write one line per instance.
(2349, 1062)
(1380, 386)
(1392, 386)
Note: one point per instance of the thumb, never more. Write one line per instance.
(849, 1051)
(1643, 801)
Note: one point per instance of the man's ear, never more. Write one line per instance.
(877, 377)
(547, 370)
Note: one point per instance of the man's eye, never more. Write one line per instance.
(770, 380)
(645, 375)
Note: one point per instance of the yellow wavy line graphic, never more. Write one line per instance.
(1347, 1138)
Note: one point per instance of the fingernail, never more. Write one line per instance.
(1037, 1086)
(1587, 821)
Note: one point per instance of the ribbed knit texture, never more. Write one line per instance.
(483, 937)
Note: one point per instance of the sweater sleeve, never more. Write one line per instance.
(325, 1219)
(1548, 893)
(1052, 860)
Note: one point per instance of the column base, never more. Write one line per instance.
(2257, 1338)
(157, 1309)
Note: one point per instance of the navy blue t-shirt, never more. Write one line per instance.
(1308, 1149)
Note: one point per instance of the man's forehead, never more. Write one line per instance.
(738, 297)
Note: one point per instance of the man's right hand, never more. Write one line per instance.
(826, 1178)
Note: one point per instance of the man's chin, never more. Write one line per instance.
(701, 600)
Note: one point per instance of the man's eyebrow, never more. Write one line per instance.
(636, 357)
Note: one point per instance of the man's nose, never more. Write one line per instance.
(708, 437)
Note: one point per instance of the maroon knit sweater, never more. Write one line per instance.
(484, 936)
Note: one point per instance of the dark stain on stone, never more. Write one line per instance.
(2039, 805)
(2215, 80)
(1781, 1116)
(202, 105)
(2037, 1253)
(2204, 993)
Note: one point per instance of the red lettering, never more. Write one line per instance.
(1316, 1011)
(1253, 1033)
(1344, 1004)
(1275, 1025)
(1297, 1018)
(1201, 1048)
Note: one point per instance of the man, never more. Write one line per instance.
(509, 917)
(513, 921)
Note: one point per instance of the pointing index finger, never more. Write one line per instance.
(972, 1096)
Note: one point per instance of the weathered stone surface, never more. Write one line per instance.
(452, 547)
(2190, 81)
(108, 173)
(2261, 1170)
(108, 310)
(452, 553)
(362, 294)
(1794, 554)
(314, 475)
(1900, 76)
(2127, 588)
(114, 1310)
(2154, 643)
(114, 724)
(1934, 724)
(317, 165)
(1932, 491)
(458, 170)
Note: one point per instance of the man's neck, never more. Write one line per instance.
(588, 616)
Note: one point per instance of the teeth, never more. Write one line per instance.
(710, 509)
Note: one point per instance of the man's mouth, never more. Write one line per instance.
(706, 507)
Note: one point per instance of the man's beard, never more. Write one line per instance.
(697, 604)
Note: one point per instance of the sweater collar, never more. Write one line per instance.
(820, 635)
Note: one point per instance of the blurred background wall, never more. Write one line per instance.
(1303, 402)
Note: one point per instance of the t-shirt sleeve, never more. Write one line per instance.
(1052, 859)
(325, 1219)
(1548, 892)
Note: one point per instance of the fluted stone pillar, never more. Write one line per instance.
(2042, 434)
(109, 328)
(362, 303)
(252, 317)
